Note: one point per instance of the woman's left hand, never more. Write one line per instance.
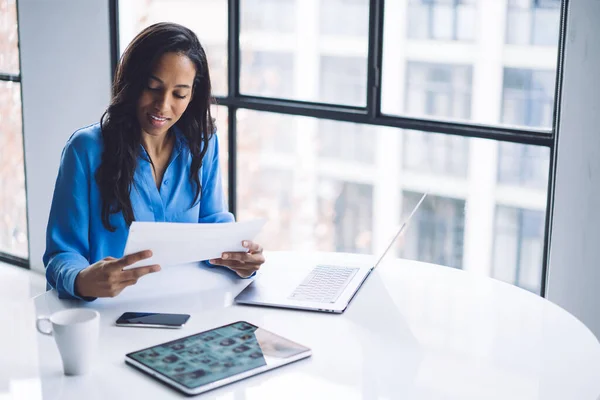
(243, 263)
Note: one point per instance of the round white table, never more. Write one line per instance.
(413, 331)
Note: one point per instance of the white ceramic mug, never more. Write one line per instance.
(76, 333)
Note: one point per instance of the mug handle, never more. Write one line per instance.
(38, 325)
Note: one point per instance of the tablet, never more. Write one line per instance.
(207, 360)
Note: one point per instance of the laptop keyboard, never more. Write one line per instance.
(324, 284)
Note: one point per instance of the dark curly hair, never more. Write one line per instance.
(121, 131)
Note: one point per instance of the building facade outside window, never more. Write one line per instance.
(533, 22)
(518, 247)
(442, 19)
(438, 90)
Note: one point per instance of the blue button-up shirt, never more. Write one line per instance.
(76, 237)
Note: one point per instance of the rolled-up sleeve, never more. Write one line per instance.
(67, 238)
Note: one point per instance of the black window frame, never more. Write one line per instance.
(371, 114)
(6, 77)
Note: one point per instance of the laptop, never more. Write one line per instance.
(325, 288)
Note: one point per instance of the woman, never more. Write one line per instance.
(153, 157)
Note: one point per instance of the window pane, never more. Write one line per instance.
(523, 165)
(518, 246)
(546, 23)
(466, 18)
(447, 59)
(418, 21)
(519, 26)
(437, 232)
(528, 97)
(441, 19)
(435, 153)
(306, 50)
(9, 38)
(533, 23)
(337, 186)
(438, 90)
(207, 18)
(357, 145)
(268, 73)
(344, 17)
(338, 78)
(270, 15)
(13, 210)
(219, 113)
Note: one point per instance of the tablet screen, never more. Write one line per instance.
(217, 354)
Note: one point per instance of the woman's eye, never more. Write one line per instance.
(179, 96)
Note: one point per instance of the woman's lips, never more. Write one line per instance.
(157, 121)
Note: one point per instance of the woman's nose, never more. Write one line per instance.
(161, 102)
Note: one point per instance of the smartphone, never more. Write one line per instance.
(152, 320)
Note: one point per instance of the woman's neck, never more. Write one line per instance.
(157, 146)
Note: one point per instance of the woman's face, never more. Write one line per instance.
(167, 94)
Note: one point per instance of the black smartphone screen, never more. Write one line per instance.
(140, 318)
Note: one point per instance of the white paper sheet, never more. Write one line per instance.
(178, 243)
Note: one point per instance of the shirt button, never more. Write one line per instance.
(166, 182)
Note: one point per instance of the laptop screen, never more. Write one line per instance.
(399, 232)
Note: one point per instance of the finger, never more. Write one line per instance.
(252, 247)
(243, 257)
(137, 273)
(257, 258)
(233, 264)
(246, 258)
(234, 256)
(131, 259)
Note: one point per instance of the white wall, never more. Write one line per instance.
(574, 268)
(65, 67)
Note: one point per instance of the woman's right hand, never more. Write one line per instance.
(106, 277)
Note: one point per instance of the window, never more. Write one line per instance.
(338, 81)
(436, 154)
(348, 207)
(311, 201)
(349, 22)
(437, 233)
(293, 63)
(358, 145)
(276, 16)
(518, 247)
(220, 115)
(528, 97)
(527, 100)
(438, 90)
(269, 74)
(335, 161)
(13, 209)
(523, 165)
(442, 19)
(533, 22)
